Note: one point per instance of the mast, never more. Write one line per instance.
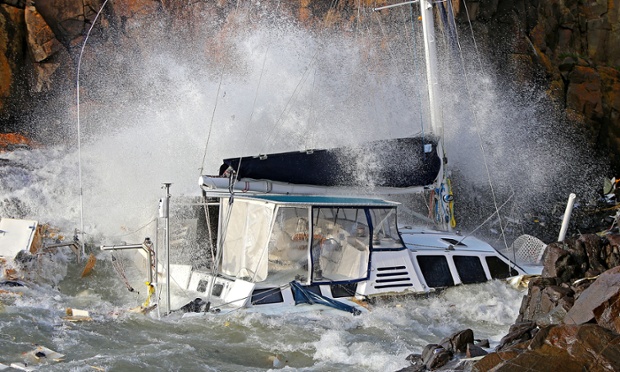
(443, 192)
(430, 55)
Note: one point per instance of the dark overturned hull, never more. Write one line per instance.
(398, 163)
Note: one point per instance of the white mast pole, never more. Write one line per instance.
(430, 55)
(165, 213)
(443, 198)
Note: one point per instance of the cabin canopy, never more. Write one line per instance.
(309, 239)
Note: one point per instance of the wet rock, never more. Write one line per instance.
(606, 287)
(518, 333)
(592, 246)
(587, 347)
(474, 351)
(417, 364)
(606, 314)
(555, 315)
(542, 298)
(559, 263)
(482, 343)
(570, 269)
(435, 356)
(457, 342)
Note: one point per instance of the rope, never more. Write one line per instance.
(488, 218)
(120, 270)
(260, 79)
(477, 123)
(217, 96)
(79, 129)
(296, 91)
(134, 231)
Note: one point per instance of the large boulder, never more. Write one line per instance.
(566, 348)
(569, 269)
(605, 288)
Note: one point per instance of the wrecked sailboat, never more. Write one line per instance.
(299, 236)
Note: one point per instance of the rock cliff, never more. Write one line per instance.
(569, 48)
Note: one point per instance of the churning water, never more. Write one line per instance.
(117, 340)
(172, 106)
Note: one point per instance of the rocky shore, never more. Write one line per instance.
(569, 319)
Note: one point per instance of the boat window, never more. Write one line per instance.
(343, 290)
(499, 269)
(340, 244)
(385, 233)
(289, 244)
(244, 236)
(436, 271)
(217, 290)
(470, 269)
(264, 296)
(454, 242)
(202, 285)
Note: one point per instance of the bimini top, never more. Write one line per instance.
(319, 200)
(396, 163)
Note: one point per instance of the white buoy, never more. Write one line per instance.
(566, 219)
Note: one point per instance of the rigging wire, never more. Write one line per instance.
(217, 96)
(477, 122)
(79, 129)
(415, 67)
(296, 91)
(134, 231)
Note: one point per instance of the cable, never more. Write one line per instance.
(79, 140)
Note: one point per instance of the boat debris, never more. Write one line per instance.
(90, 264)
(39, 356)
(77, 315)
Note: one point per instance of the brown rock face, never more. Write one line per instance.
(566, 289)
(606, 287)
(588, 347)
(12, 56)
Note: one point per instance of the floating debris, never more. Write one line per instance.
(90, 264)
(76, 315)
(40, 355)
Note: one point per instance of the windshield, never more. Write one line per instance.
(340, 244)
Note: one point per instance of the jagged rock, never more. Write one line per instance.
(604, 288)
(570, 269)
(537, 302)
(435, 356)
(584, 92)
(592, 247)
(482, 343)
(587, 347)
(474, 351)
(612, 249)
(457, 342)
(41, 40)
(417, 364)
(558, 262)
(606, 314)
(518, 333)
(555, 315)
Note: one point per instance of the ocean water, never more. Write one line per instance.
(119, 340)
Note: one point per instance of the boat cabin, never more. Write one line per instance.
(276, 250)
(310, 239)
